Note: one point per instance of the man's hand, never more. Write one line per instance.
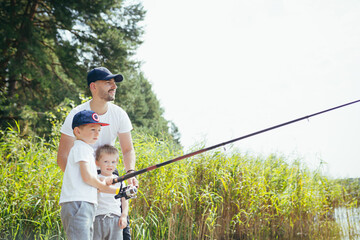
(133, 181)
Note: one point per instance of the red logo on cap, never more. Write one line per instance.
(95, 117)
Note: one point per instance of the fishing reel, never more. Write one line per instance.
(127, 192)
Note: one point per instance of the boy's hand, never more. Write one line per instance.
(109, 180)
(122, 222)
(103, 183)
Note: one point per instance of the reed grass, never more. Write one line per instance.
(30, 184)
(216, 195)
(222, 196)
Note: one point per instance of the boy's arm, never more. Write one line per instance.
(124, 207)
(92, 180)
(124, 213)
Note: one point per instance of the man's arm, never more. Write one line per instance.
(65, 144)
(128, 152)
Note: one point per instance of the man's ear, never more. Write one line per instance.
(92, 86)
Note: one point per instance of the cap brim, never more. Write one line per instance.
(101, 124)
(117, 77)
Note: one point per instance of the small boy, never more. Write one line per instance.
(78, 198)
(109, 218)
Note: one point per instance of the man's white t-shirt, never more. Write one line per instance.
(117, 118)
(107, 202)
(73, 187)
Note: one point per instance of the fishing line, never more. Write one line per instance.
(135, 173)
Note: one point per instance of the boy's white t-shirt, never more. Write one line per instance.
(107, 202)
(73, 187)
(117, 118)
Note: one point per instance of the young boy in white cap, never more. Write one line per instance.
(78, 197)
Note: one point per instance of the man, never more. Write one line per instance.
(102, 84)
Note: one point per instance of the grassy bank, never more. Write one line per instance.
(211, 196)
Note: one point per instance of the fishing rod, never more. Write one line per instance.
(135, 173)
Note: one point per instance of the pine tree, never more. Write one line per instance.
(47, 47)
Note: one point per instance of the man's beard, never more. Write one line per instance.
(107, 97)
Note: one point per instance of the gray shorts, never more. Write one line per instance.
(78, 219)
(107, 227)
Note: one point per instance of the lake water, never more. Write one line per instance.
(349, 220)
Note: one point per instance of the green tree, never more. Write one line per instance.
(47, 47)
(143, 107)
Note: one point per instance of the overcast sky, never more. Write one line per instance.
(223, 69)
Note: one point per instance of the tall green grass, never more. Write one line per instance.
(30, 184)
(222, 196)
(217, 195)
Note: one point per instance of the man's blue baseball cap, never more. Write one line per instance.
(86, 117)
(102, 73)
